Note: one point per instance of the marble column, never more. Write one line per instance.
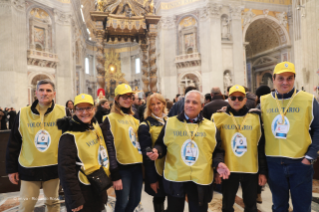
(13, 59)
(145, 67)
(152, 57)
(239, 73)
(100, 57)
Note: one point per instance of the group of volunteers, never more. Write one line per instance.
(181, 155)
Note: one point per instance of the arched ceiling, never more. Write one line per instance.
(263, 35)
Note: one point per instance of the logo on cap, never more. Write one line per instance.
(126, 86)
(286, 65)
(236, 87)
(83, 96)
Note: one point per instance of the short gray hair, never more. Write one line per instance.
(202, 99)
(44, 82)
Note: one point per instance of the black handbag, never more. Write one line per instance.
(100, 182)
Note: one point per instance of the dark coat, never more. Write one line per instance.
(13, 152)
(76, 193)
(216, 104)
(100, 113)
(251, 100)
(177, 189)
(177, 108)
(145, 140)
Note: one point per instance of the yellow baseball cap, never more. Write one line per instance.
(123, 89)
(83, 98)
(284, 67)
(236, 88)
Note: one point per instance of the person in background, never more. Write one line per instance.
(1, 117)
(155, 118)
(176, 98)
(103, 108)
(261, 91)
(75, 156)
(208, 98)
(169, 104)
(135, 106)
(120, 127)
(142, 107)
(251, 99)
(178, 107)
(100, 95)
(32, 151)
(70, 105)
(217, 103)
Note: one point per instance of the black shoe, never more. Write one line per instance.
(158, 207)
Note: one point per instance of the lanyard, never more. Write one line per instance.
(97, 135)
(236, 125)
(279, 106)
(188, 132)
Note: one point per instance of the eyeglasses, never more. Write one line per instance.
(240, 98)
(81, 110)
(125, 97)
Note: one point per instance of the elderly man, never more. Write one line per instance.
(291, 125)
(244, 145)
(32, 152)
(189, 143)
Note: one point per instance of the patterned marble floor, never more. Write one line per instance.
(9, 202)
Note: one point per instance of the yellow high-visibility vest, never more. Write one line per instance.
(124, 129)
(89, 152)
(298, 120)
(186, 159)
(241, 148)
(39, 146)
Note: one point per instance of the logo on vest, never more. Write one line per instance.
(239, 144)
(133, 139)
(42, 140)
(279, 129)
(189, 152)
(103, 159)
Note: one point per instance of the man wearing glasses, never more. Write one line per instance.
(32, 151)
(291, 125)
(243, 142)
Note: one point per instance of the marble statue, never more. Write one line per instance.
(225, 28)
(227, 81)
(282, 18)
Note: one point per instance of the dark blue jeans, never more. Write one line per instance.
(129, 197)
(287, 174)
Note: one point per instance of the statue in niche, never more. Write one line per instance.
(227, 81)
(189, 42)
(225, 28)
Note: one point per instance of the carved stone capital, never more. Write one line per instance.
(235, 12)
(203, 13)
(168, 22)
(62, 18)
(18, 4)
(214, 9)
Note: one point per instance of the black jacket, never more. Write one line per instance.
(145, 140)
(216, 104)
(177, 108)
(13, 152)
(262, 163)
(177, 189)
(76, 193)
(100, 113)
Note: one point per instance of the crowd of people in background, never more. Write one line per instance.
(7, 116)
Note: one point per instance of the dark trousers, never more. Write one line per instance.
(249, 183)
(129, 197)
(176, 204)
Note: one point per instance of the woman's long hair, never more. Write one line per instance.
(148, 111)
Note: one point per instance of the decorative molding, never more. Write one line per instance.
(265, 12)
(19, 4)
(214, 9)
(236, 12)
(168, 22)
(282, 18)
(248, 16)
(62, 18)
(203, 13)
(188, 60)
(42, 59)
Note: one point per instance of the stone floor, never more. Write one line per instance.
(9, 202)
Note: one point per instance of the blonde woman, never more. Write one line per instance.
(155, 118)
(120, 127)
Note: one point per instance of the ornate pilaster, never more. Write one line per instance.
(168, 22)
(145, 74)
(235, 12)
(100, 57)
(152, 54)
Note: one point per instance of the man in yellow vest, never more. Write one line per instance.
(32, 151)
(244, 144)
(188, 142)
(291, 126)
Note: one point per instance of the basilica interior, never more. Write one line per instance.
(153, 45)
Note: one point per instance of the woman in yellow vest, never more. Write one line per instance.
(83, 150)
(149, 130)
(120, 128)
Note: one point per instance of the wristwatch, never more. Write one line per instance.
(312, 161)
